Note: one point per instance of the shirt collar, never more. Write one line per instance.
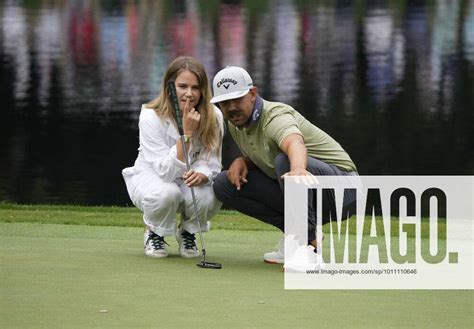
(257, 110)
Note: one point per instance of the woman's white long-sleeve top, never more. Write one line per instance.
(157, 151)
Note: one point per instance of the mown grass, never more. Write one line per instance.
(131, 217)
(92, 273)
(78, 276)
(111, 216)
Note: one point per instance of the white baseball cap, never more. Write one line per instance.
(230, 83)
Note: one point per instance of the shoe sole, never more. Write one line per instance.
(189, 256)
(156, 255)
(272, 262)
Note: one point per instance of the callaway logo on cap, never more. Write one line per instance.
(230, 83)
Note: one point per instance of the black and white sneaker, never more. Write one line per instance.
(155, 245)
(187, 244)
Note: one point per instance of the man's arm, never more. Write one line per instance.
(293, 146)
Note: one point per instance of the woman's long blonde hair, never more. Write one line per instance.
(209, 133)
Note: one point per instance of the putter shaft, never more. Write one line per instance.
(188, 167)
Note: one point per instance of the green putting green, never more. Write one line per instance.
(82, 276)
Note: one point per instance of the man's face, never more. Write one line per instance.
(239, 110)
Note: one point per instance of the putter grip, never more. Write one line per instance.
(174, 102)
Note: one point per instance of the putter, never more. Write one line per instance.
(179, 122)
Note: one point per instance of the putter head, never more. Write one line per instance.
(214, 266)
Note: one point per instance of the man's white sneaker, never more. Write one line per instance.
(155, 245)
(277, 256)
(187, 244)
(304, 259)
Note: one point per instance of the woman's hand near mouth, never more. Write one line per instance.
(191, 119)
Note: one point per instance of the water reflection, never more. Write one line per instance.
(392, 81)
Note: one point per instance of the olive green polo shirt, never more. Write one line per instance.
(260, 141)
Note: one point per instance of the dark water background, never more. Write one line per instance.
(392, 81)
